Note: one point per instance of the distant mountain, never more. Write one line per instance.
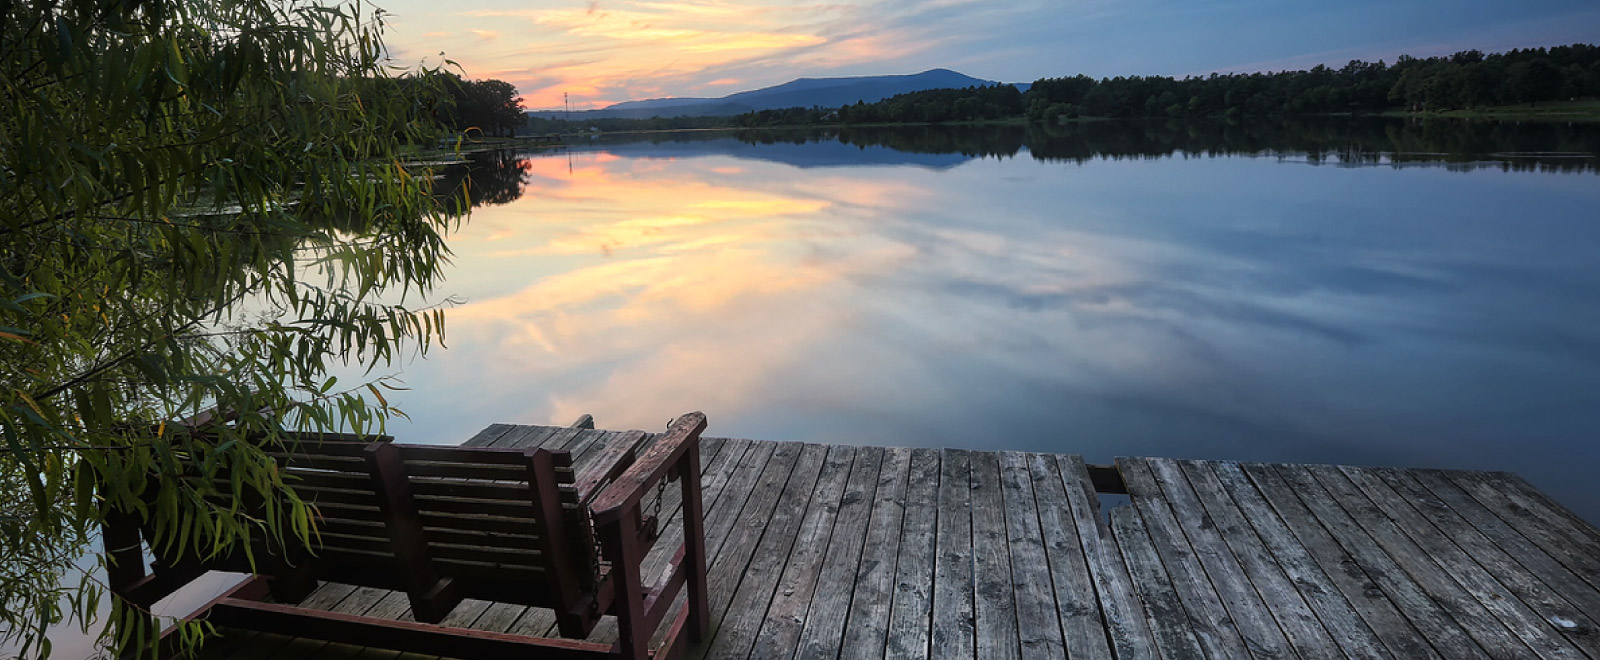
(804, 92)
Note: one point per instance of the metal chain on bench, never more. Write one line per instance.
(655, 516)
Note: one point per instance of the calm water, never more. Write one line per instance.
(1372, 293)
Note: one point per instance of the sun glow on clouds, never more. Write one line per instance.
(605, 51)
(610, 51)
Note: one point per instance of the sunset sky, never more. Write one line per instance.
(605, 51)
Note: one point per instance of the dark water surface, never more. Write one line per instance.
(1372, 292)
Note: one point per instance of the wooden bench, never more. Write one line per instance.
(446, 523)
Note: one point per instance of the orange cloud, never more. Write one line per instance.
(601, 55)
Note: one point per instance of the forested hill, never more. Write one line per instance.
(1469, 79)
(804, 92)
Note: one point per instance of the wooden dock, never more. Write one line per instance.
(850, 552)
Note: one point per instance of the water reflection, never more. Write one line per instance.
(487, 178)
(1460, 145)
(1228, 307)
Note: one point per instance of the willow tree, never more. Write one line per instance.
(203, 207)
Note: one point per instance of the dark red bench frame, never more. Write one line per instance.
(423, 494)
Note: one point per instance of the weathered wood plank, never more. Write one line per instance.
(1038, 623)
(1521, 488)
(746, 572)
(488, 435)
(1550, 529)
(1560, 602)
(753, 488)
(493, 617)
(329, 596)
(1127, 628)
(561, 438)
(785, 617)
(994, 600)
(1213, 624)
(1299, 624)
(1082, 628)
(1369, 586)
(466, 613)
(587, 441)
(1438, 627)
(1243, 600)
(910, 616)
(871, 603)
(1506, 538)
(952, 631)
(1503, 598)
(1435, 574)
(522, 437)
(1325, 595)
(358, 600)
(1168, 619)
(826, 618)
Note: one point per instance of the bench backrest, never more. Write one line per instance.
(503, 524)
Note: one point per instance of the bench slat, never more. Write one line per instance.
(480, 538)
(465, 471)
(338, 541)
(296, 478)
(432, 487)
(474, 523)
(352, 527)
(471, 455)
(327, 452)
(324, 496)
(518, 557)
(489, 571)
(503, 508)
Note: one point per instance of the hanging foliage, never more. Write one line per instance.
(204, 206)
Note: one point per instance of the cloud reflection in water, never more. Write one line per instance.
(1228, 307)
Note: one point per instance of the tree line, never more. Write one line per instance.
(1465, 80)
(1468, 79)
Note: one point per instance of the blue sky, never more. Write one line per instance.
(605, 51)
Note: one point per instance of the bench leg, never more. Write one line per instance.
(433, 605)
(288, 568)
(694, 546)
(292, 585)
(620, 542)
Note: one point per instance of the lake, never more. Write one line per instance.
(1375, 292)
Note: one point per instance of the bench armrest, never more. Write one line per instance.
(653, 466)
